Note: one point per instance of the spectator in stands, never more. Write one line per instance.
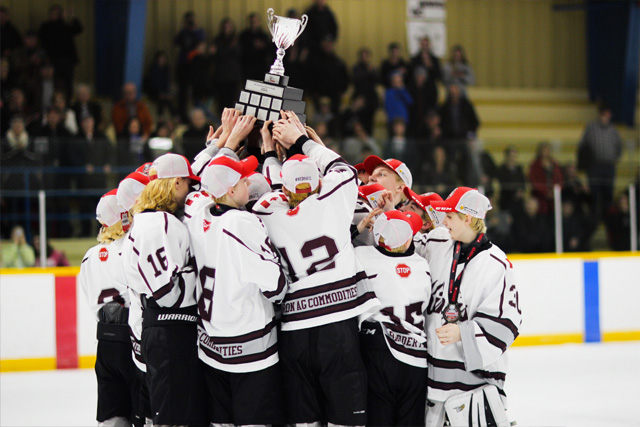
(598, 153)
(57, 39)
(532, 232)
(132, 145)
(84, 106)
(59, 102)
(129, 107)
(327, 74)
(457, 69)
(17, 106)
(365, 79)
(394, 62)
(499, 223)
(512, 181)
(228, 70)
(93, 152)
(544, 174)
(575, 229)
(430, 65)
(17, 253)
(8, 80)
(397, 100)
(354, 147)
(157, 84)
(42, 88)
(257, 49)
(427, 136)
(618, 223)
(194, 137)
(27, 59)
(400, 146)
(321, 25)
(9, 34)
(187, 39)
(201, 72)
(55, 257)
(440, 173)
(422, 99)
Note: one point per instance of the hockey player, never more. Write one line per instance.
(159, 268)
(472, 318)
(392, 174)
(102, 279)
(393, 339)
(323, 373)
(239, 280)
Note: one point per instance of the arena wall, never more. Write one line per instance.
(45, 322)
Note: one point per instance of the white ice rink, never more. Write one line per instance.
(577, 385)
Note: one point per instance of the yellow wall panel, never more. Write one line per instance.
(510, 43)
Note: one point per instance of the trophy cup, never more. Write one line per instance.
(264, 100)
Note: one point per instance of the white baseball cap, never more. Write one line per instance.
(108, 211)
(371, 193)
(171, 165)
(258, 185)
(396, 227)
(371, 162)
(465, 200)
(223, 172)
(130, 188)
(300, 169)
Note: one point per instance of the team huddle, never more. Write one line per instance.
(295, 295)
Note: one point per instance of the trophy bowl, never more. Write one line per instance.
(285, 31)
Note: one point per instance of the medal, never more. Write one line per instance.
(451, 313)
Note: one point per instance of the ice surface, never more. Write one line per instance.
(576, 385)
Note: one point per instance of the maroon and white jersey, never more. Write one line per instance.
(402, 283)
(157, 260)
(101, 276)
(314, 240)
(271, 170)
(239, 279)
(489, 318)
(195, 202)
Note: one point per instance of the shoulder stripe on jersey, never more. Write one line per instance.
(504, 322)
(499, 260)
(237, 239)
(84, 260)
(246, 337)
(344, 283)
(336, 188)
(239, 360)
(361, 210)
(146, 282)
(330, 309)
(130, 237)
(137, 252)
(262, 213)
(335, 161)
(438, 240)
(187, 215)
(166, 223)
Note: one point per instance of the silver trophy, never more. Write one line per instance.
(285, 31)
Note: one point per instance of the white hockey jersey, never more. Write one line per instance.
(489, 319)
(239, 279)
(314, 240)
(366, 237)
(402, 283)
(157, 260)
(101, 276)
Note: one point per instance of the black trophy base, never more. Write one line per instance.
(264, 100)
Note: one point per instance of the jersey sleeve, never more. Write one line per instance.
(257, 260)
(494, 327)
(271, 169)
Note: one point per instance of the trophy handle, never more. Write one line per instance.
(270, 13)
(304, 19)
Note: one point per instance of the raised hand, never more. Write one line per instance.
(367, 222)
(241, 130)
(228, 119)
(267, 140)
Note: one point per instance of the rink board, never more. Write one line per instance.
(45, 322)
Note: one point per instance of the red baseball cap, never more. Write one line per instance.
(371, 193)
(371, 162)
(359, 167)
(223, 172)
(465, 200)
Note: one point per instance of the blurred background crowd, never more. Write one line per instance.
(57, 135)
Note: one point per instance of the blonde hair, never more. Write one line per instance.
(157, 195)
(296, 198)
(477, 224)
(111, 234)
(399, 250)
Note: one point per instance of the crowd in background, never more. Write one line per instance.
(48, 119)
